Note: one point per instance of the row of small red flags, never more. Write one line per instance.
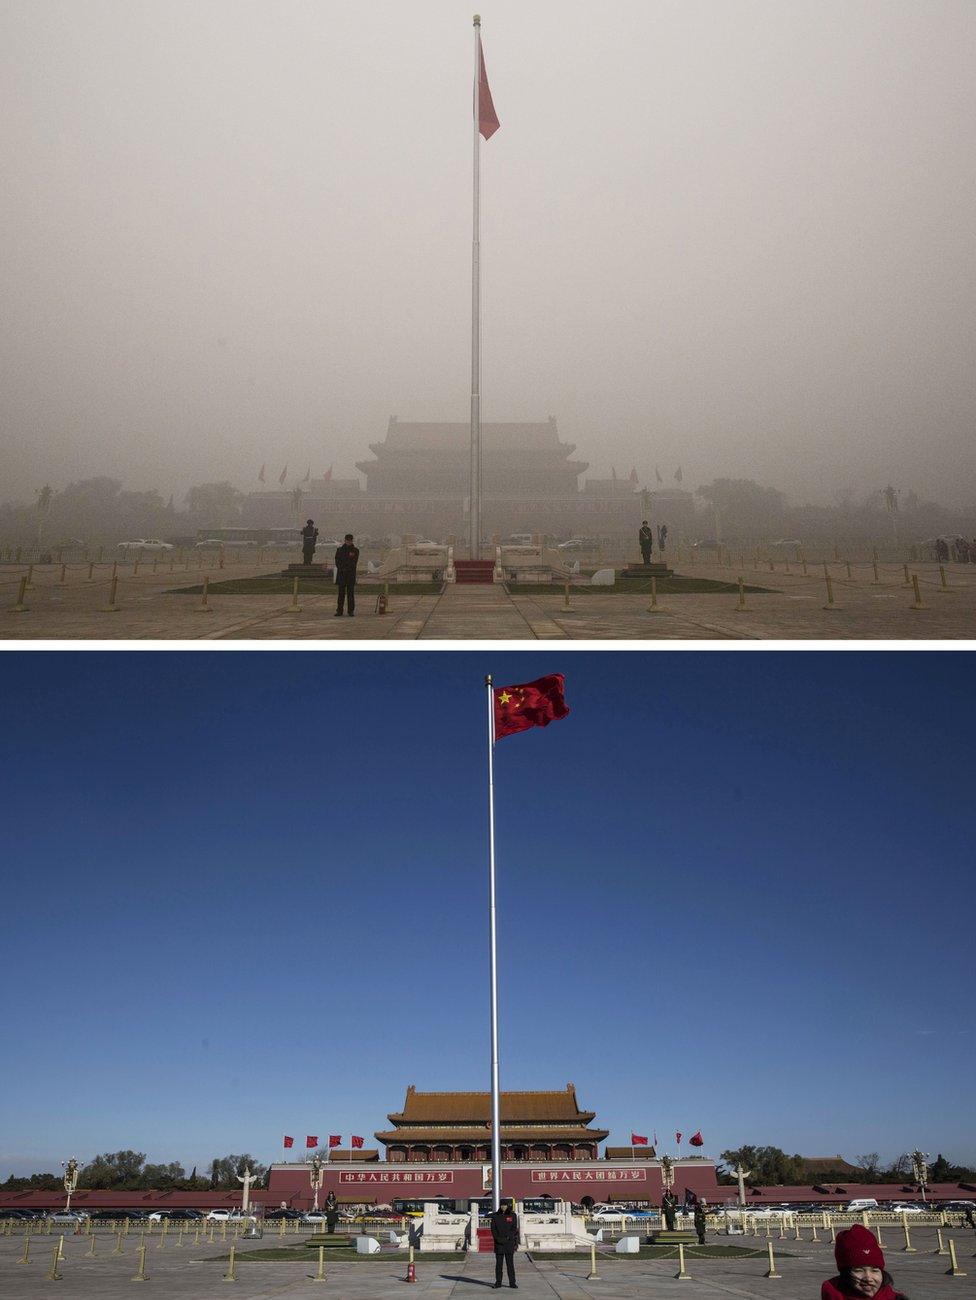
(335, 1140)
(640, 1140)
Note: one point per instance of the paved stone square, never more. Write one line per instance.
(150, 609)
(196, 1271)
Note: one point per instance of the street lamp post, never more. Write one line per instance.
(920, 1168)
(70, 1180)
(315, 1176)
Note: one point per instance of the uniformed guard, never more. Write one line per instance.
(700, 1220)
(331, 1212)
(645, 539)
(310, 535)
(668, 1205)
(346, 559)
(506, 1238)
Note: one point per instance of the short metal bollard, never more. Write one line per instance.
(320, 1275)
(20, 607)
(593, 1275)
(231, 1274)
(142, 1275)
(771, 1271)
(954, 1270)
(55, 1275)
(682, 1274)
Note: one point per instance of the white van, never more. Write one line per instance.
(865, 1203)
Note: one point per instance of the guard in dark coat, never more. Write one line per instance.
(507, 1238)
(645, 539)
(700, 1220)
(331, 1212)
(346, 559)
(669, 1204)
(310, 535)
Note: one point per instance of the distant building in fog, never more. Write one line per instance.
(417, 483)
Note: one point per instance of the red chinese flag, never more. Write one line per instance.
(534, 704)
(311, 1142)
(335, 1140)
(638, 1140)
(357, 1142)
(696, 1140)
(677, 1138)
(488, 122)
(289, 1142)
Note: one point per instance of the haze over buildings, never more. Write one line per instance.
(733, 237)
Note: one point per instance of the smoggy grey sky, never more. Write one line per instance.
(736, 236)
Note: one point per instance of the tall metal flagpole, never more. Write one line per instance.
(474, 477)
(496, 1147)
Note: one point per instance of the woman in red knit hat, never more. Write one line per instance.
(862, 1269)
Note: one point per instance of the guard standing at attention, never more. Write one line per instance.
(645, 540)
(346, 559)
(310, 535)
(507, 1238)
(331, 1212)
(669, 1203)
(700, 1220)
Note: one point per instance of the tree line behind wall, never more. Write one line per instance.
(129, 1171)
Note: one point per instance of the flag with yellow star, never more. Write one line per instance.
(533, 704)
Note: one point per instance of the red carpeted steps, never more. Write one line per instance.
(486, 1243)
(473, 570)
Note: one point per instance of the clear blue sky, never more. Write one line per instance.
(246, 896)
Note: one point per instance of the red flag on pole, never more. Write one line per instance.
(289, 1142)
(335, 1140)
(655, 1137)
(488, 122)
(638, 1140)
(677, 1138)
(356, 1141)
(283, 475)
(533, 704)
(311, 1141)
(696, 1140)
(327, 478)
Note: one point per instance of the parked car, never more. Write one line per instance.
(579, 544)
(179, 1212)
(614, 1212)
(282, 1212)
(145, 544)
(907, 1207)
(863, 1203)
(69, 1216)
(215, 543)
(314, 1216)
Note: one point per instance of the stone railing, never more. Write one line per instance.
(530, 564)
(417, 563)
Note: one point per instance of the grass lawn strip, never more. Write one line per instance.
(341, 1252)
(665, 587)
(665, 1252)
(285, 586)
